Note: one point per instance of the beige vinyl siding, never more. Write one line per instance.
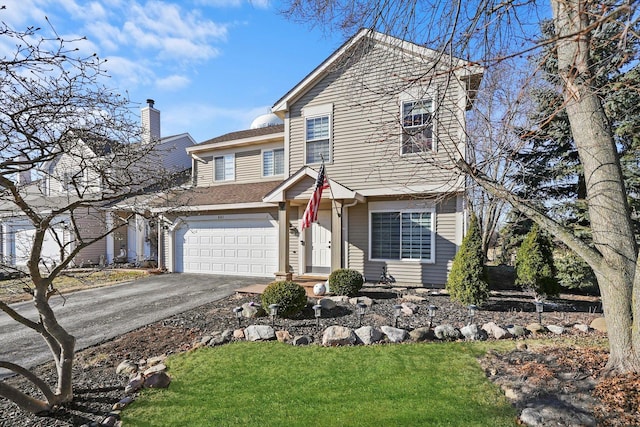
(405, 272)
(248, 166)
(365, 125)
(294, 239)
(91, 223)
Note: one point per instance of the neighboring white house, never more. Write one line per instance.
(67, 177)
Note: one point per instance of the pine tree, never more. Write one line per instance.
(535, 269)
(466, 283)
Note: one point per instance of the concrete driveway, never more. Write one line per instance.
(97, 315)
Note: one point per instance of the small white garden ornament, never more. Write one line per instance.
(319, 289)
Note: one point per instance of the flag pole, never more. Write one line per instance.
(333, 200)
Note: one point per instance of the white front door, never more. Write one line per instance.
(319, 258)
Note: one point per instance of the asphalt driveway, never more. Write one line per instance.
(97, 315)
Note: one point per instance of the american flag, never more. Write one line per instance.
(311, 212)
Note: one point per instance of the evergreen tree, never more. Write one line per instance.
(535, 269)
(466, 283)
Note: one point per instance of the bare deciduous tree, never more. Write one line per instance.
(492, 31)
(68, 146)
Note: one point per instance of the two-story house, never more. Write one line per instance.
(70, 176)
(387, 119)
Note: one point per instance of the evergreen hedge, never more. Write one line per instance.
(467, 280)
(535, 269)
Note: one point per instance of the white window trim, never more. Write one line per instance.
(431, 260)
(272, 150)
(419, 95)
(312, 112)
(233, 172)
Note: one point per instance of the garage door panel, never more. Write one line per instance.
(241, 247)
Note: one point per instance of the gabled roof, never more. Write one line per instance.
(462, 68)
(337, 191)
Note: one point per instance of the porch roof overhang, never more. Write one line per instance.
(338, 191)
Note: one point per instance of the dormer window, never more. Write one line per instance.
(273, 162)
(224, 167)
(417, 126)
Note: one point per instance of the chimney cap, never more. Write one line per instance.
(150, 102)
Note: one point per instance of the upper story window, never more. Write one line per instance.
(417, 126)
(224, 167)
(318, 139)
(273, 162)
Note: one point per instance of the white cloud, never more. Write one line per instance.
(173, 83)
(129, 73)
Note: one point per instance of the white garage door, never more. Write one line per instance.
(242, 247)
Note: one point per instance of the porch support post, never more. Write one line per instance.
(283, 272)
(336, 235)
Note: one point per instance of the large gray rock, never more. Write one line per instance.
(365, 300)
(219, 338)
(599, 324)
(556, 329)
(302, 340)
(446, 332)
(394, 335)
(157, 380)
(536, 328)
(581, 327)
(414, 298)
(409, 308)
(368, 335)
(495, 331)
(127, 367)
(154, 369)
(327, 304)
(473, 333)
(252, 311)
(517, 330)
(338, 335)
(259, 333)
(421, 334)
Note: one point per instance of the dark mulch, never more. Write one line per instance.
(98, 387)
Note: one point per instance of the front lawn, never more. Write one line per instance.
(274, 384)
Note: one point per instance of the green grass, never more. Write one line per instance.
(273, 384)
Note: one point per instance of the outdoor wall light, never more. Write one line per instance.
(539, 310)
(361, 309)
(273, 312)
(238, 313)
(397, 311)
(432, 313)
(317, 312)
(472, 312)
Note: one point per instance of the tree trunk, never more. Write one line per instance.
(608, 209)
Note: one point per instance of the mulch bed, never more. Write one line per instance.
(615, 401)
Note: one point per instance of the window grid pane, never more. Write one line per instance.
(219, 168)
(267, 163)
(278, 162)
(417, 129)
(416, 235)
(317, 150)
(385, 235)
(317, 139)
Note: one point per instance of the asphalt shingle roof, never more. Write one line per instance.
(242, 134)
(219, 194)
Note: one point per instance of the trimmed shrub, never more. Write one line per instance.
(345, 282)
(467, 280)
(290, 296)
(535, 269)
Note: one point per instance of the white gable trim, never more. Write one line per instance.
(338, 191)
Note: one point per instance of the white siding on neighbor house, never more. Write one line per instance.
(405, 271)
(366, 128)
(248, 165)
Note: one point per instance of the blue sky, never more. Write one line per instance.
(211, 66)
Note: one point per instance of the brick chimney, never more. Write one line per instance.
(150, 123)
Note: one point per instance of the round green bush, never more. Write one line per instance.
(290, 296)
(345, 282)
